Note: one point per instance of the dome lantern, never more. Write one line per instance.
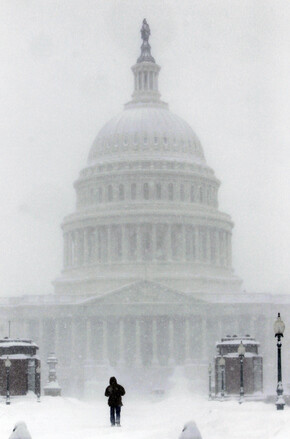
(146, 73)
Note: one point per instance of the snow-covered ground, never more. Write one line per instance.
(148, 418)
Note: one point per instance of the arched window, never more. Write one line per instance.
(110, 193)
(158, 191)
(92, 193)
(192, 194)
(100, 194)
(181, 192)
(201, 195)
(121, 192)
(146, 191)
(170, 191)
(133, 191)
(208, 199)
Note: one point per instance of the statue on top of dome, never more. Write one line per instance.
(145, 30)
(145, 48)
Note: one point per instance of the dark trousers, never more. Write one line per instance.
(115, 413)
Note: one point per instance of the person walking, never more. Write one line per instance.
(115, 392)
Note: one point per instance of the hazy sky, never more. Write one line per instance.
(65, 70)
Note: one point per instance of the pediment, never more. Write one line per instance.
(144, 292)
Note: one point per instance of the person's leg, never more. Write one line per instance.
(112, 415)
(118, 415)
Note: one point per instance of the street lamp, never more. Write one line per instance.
(37, 379)
(222, 363)
(241, 353)
(279, 327)
(209, 380)
(7, 363)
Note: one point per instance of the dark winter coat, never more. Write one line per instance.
(115, 392)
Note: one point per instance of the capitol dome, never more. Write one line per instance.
(149, 129)
(147, 203)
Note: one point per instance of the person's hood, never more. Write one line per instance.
(20, 431)
(190, 431)
(113, 381)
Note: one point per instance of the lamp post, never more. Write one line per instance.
(37, 379)
(241, 353)
(279, 327)
(222, 363)
(209, 381)
(7, 366)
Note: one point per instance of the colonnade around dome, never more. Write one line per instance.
(147, 242)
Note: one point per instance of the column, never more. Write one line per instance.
(187, 350)
(121, 230)
(89, 341)
(217, 247)
(73, 248)
(203, 339)
(166, 248)
(109, 243)
(122, 341)
(222, 248)
(105, 341)
(69, 249)
(171, 360)
(125, 241)
(154, 342)
(86, 246)
(138, 358)
(229, 250)
(183, 236)
(197, 246)
(65, 249)
(74, 342)
(139, 242)
(154, 242)
(58, 341)
(208, 252)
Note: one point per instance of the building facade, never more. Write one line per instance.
(147, 282)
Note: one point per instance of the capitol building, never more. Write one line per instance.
(147, 280)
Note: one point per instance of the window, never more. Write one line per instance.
(158, 191)
(100, 194)
(146, 191)
(170, 191)
(121, 192)
(201, 197)
(92, 195)
(192, 194)
(133, 191)
(110, 193)
(181, 192)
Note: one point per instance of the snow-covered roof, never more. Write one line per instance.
(236, 340)
(7, 343)
(19, 357)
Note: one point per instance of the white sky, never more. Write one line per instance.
(65, 70)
